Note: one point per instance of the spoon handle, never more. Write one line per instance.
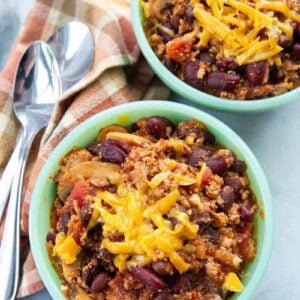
(7, 178)
(10, 245)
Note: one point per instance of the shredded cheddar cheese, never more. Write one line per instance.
(147, 234)
(237, 25)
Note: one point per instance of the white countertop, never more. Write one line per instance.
(274, 137)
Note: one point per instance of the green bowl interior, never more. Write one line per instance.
(44, 192)
(194, 95)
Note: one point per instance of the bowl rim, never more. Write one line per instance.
(193, 94)
(42, 262)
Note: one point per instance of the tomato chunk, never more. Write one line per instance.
(80, 190)
(207, 176)
(179, 49)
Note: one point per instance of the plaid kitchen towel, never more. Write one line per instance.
(105, 86)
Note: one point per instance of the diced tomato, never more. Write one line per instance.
(80, 190)
(207, 176)
(180, 49)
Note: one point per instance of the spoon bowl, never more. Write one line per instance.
(73, 47)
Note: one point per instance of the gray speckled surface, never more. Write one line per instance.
(274, 137)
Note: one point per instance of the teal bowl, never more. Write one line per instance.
(192, 94)
(45, 189)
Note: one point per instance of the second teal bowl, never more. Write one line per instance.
(192, 94)
(45, 189)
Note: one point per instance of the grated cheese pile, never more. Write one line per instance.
(148, 235)
(238, 25)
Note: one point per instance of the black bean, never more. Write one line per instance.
(190, 71)
(257, 73)
(206, 57)
(95, 234)
(182, 283)
(159, 127)
(164, 295)
(189, 15)
(217, 164)
(296, 51)
(89, 273)
(239, 166)
(106, 260)
(100, 283)
(162, 267)
(285, 41)
(172, 65)
(228, 197)
(201, 218)
(213, 234)
(227, 63)
(199, 155)
(51, 236)
(135, 127)
(198, 131)
(164, 33)
(276, 74)
(149, 278)
(234, 183)
(63, 222)
(86, 212)
(94, 148)
(222, 81)
(297, 32)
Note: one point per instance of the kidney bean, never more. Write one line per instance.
(159, 127)
(164, 34)
(234, 183)
(245, 210)
(296, 51)
(114, 151)
(227, 63)
(164, 295)
(228, 197)
(217, 164)
(63, 222)
(222, 81)
(89, 273)
(199, 155)
(190, 71)
(284, 41)
(181, 283)
(172, 65)
(51, 236)
(239, 166)
(100, 283)
(257, 73)
(206, 57)
(149, 278)
(162, 267)
(86, 213)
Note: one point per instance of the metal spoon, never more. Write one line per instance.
(37, 85)
(73, 48)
